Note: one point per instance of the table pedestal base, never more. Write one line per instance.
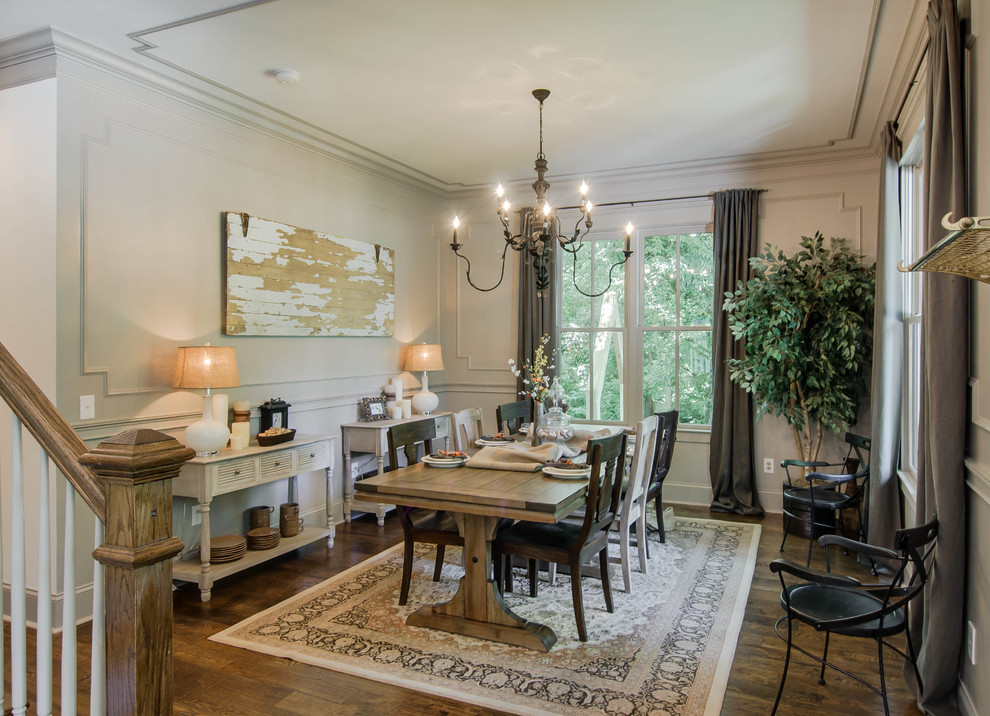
(477, 608)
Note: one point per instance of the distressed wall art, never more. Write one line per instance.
(281, 280)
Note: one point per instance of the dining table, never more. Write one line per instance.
(478, 498)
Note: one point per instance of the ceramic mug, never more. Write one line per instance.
(260, 516)
(290, 523)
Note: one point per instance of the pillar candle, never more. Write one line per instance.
(396, 412)
(397, 387)
(239, 442)
(407, 408)
(220, 408)
(241, 430)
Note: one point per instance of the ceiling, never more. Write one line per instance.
(442, 87)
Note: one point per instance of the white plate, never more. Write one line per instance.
(494, 443)
(567, 474)
(446, 462)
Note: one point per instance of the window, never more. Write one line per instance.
(593, 341)
(911, 248)
(678, 297)
(667, 297)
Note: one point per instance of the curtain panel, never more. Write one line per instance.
(883, 507)
(937, 624)
(731, 456)
(537, 313)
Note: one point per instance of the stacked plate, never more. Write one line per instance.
(227, 548)
(494, 440)
(263, 538)
(441, 459)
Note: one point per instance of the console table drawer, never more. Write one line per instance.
(276, 465)
(313, 457)
(235, 475)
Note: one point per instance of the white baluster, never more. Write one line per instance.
(69, 605)
(44, 634)
(98, 668)
(18, 580)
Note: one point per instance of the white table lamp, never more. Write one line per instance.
(208, 367)
(424, 357)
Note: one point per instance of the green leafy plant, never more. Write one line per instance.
(807, 322)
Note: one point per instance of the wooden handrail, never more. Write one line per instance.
(50, 429)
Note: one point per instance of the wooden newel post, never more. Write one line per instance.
(135, 469)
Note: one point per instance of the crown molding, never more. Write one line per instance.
(49, 52)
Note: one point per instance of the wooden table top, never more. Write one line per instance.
(529, 496)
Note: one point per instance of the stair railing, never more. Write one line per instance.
(126, 482)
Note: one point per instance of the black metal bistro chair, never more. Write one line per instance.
(839, 604)
(808, 502)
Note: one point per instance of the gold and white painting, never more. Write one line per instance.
(281, 280)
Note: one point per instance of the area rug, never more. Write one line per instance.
(667, 648)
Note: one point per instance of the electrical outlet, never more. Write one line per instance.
(197, 515)
(768, 465)
(971, 642)
(87, 407)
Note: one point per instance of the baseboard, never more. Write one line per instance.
(84, 606)
(966, 704)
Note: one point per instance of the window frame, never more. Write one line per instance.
(634, 329)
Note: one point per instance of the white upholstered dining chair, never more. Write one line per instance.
(632, 509)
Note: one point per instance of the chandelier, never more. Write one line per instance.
(541, 227)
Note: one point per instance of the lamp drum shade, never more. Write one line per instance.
(424, 357)
(206, 367)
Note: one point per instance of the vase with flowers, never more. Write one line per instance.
(536, 375)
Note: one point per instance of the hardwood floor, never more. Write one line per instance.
(212, 678)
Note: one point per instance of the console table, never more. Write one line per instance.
(233, 470)
(372, 437)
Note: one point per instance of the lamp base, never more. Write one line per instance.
(425, 401)
(207, 436)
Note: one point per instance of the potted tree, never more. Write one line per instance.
(807, 322)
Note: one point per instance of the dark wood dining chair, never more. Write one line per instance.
(512, 416)
(434, 527)
(667, 436)
(573, 543)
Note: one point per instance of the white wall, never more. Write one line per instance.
(113, 192)
(974, 687)
(27, 291)
(838, 197)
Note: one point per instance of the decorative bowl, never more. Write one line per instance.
(266, 440)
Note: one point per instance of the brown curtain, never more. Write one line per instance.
(937, 622)
(883, 515)
(731, 463)
(537, 313)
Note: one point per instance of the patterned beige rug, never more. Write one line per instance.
(667, 649)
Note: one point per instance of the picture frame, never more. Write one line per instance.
(373, 409)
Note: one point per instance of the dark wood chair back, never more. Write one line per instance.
(511, 416)
(415, 440)
(607, 457)
(666, 437)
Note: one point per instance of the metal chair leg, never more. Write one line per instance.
(787, 661)
(821, 676)
(883, 680)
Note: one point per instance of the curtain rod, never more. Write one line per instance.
(642, 201)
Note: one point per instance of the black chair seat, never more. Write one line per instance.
(433, 521)
(812, 603)
(831, 499)
(541, 536)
